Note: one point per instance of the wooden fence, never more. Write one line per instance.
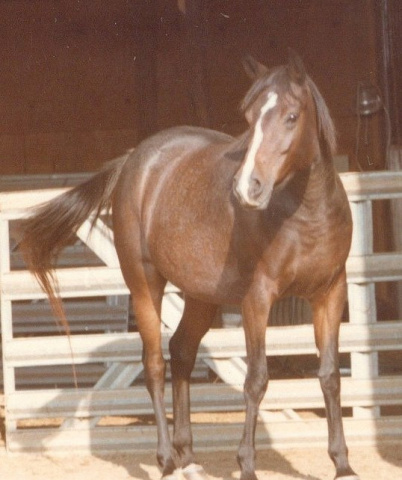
(109, 416)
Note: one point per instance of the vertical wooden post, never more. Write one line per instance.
(362, 305)
(395, 164)
(6, 319)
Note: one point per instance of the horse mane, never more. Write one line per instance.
(326, 127)
(280, 78)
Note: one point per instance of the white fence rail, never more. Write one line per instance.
(80, 414)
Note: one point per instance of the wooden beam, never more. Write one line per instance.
(372, 185)
(123, 401)
(375, 267)
(73, 282)
(217, 343)
(207, 437)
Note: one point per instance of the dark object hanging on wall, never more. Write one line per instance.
(390, 38)
(369, 103)
(369, 100)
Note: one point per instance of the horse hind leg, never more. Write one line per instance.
(196, 321)
(147, 292)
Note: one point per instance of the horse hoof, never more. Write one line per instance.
(194, 472)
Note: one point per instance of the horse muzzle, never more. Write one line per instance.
(252, 195)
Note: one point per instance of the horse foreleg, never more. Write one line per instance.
(255, 316)
(196, 320)
(327, 317)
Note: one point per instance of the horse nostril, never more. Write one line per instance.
(255, 188)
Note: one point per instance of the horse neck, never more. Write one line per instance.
(322, 184)
(308, 193)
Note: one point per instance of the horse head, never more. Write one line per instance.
(283, 109)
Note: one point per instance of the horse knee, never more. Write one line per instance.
(256, 384)
(155, 368)
(330, 381)
(181, 358)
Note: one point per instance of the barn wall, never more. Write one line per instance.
(82, 81)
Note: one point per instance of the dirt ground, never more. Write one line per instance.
(370, 462)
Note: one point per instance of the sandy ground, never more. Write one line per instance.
(369, 462)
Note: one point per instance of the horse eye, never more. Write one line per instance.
(292, 118)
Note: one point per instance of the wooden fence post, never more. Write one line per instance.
(361, 296)
(6, 316)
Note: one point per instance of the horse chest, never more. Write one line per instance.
(305, 260)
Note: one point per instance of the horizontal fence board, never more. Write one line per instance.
(18, 204)
(79, 282)
(73, 283)
(217, 343)
(377, 267)
(205, 398)
(61, 376)
(372, 185)
(207, 437)
(102, 280)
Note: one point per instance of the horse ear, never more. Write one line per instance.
(296, 68)
(253, 68)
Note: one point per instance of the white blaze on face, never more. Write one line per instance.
(256, 141)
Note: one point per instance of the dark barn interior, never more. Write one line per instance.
(83, 80)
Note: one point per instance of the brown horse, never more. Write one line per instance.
(243, 220)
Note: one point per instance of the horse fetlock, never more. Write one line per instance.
(166, 463)
(246, 461)
(248, 476)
